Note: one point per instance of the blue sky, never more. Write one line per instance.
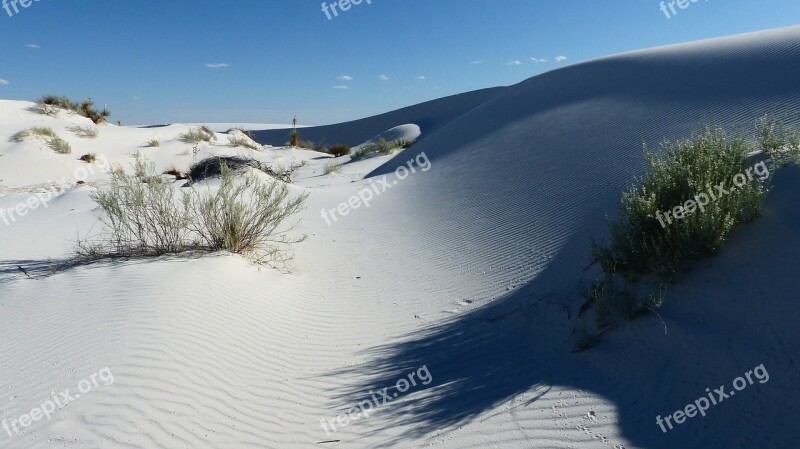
(267, 60)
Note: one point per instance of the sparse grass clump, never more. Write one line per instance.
(146, 216)
(36, 132)
(152, 143)
(380, 146)
(243, 141)
(86, 132)
(339, 150)
(59, 145)
(332, 168)
(403, 143)
(197, 135)
(685, 170)
(51, 104)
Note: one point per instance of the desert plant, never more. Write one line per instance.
(88, 110)
(380, 146)
(59, 145)
(197, 135)
(36, 131)
(51, 104)
(86, 132)
(172, 170)
(403, 143)
(213, 166)
(641, 244)
(152, 143)
(88, 158)
(332, 168)
(339, 150)
(243, 141)
(778, 140)
(142, 214)
(246, 217)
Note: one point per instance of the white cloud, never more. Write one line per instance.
(383, 78)
(514, 62)
(422, 77)
(478, 61)
(345, 78)
(221, 65)
(4, 82)
(137, 98)
(32, 45)
(561, 58)
(340, 87)
(538, 60)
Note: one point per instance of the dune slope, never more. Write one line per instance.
(468, 271)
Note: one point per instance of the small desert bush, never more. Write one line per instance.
(88, 110)
(143, 215)
(51, 104)
(332, 167)
(86, 132)
(152, 143)
(197, 135)
(777, 139)
(59, 145)
(37, 131)
(339, 150)
(244, 216)
(403, 143)
(243, 141)
(380, 146)
(641, 245)
(172, 170)
(88, 158)
(146, 216)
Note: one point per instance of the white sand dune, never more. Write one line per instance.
(470, 269)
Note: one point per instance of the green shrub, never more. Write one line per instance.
(86, 132)
(197, 135)
(644, 242)
(152, 143)
(778, 140)
(339, 150)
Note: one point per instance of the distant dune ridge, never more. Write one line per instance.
(471, 269)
